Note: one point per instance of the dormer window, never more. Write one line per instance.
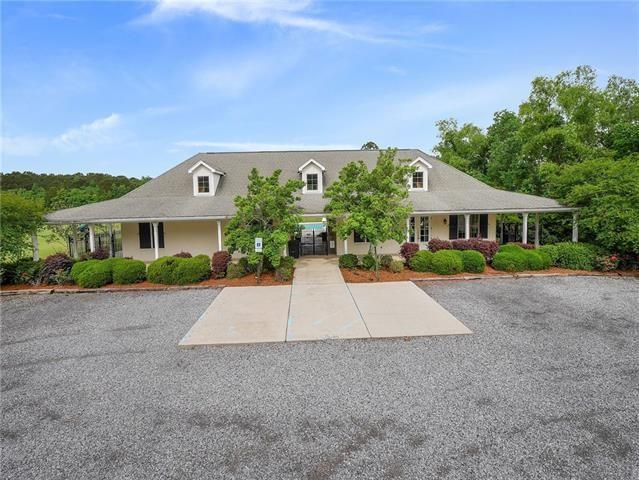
(418, 179)
(312, 174)
(206, 179)
(203, 184)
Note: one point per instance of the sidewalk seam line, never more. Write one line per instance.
(288, 312)
(358, 310)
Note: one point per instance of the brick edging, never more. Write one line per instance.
(49, 291)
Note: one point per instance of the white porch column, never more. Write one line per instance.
(575, 227)
(92, 238)
(524, 228)
(36, 247)
(346, 245)
(467, 226)
(219, 235)
(408, 229)
(536, 230)
(156, 240)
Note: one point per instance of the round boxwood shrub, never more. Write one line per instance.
(79, 267)
(551, 251)
(421, 261)
(533, 260)
(396, 266)
(161, 270)
(576, 256)
(447, 262)
(510, 261)
(348, 260)
(473, 261)
(385, 261)
(510, 247)
(183, 255)
(192, 270)
(235, 270)
(126, 271)
(368, 262)
(96, 275)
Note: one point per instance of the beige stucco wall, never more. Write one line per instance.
(193, 237)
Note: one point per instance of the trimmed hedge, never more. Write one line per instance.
(368, 262)
(447, 262)
(576, 256)
(79, 267)
(513, 258)
(192, 270)
(435, 244)
(509, 261)
(396, 266)
(96, 275)
(408, 249)
(473, 261)
(421, 261)
(487, 248)
(348, 260)
(551, 251)
(127, 271)
(161, 270)
(183, 255)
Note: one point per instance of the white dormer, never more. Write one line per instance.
(312, 174)
(205, 179)
(419, 179)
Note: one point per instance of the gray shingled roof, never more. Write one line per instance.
(170, 196)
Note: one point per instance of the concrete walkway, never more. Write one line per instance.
(320, 305)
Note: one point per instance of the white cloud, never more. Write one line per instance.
(256, 146)
(85, 136)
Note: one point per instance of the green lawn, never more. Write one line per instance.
(50, 243)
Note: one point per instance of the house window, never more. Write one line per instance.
(358, 238)
(146, 235)
(423, 229)
(311, 182)
(474, 226)
(418, 179)
(411, 230)
(203, 184)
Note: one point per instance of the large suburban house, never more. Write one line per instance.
(187, 207)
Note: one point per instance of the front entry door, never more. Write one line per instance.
(314, 240)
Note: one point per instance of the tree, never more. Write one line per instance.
(370, 146)
(20, 217)
(372, 203)
(269, 212)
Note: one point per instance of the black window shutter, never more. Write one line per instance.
(452, 227)
(161, 235)
(483, 225)
(145, 235)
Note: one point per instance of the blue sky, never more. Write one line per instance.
(133, 88)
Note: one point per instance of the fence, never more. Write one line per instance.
(111, 243)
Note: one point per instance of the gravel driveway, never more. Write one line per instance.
(94, 386)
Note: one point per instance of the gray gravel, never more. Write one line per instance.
(94, 386)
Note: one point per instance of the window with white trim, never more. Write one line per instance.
(418, 179)
(312, 183)
(424, 228)
(203, 185)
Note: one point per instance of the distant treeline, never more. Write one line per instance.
(57, 191)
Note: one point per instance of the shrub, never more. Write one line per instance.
(128, 271)
(192, 270)
(510, 261)
(25, 270)
(219, 263)
(235, 270)
(396, 266)
(576, 256)
(385, 261)
(100, 253)
(284, 272)
(244, 265)
(435, 244)
(446, 262)
(79, 267)
(368, 262)
(525, 246)
(487, 248)
(96, 275)
(473, 261)
(161, 270)
(510, 247)
(183, 255)
(7, 273)
(58, 262)
(348, 260)
(546, 260)
(552, 251)
(61, 277)
(408, 249)
(421, 261)
(534, 261)
(607, 263)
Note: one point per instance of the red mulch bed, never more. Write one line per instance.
(365, 276)
(268, 279)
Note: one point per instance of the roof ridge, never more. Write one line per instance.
(304, 151)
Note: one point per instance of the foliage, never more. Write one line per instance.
(421, 261)
(370, 146)
(509, 261)
(435, 244)
(514, 258)
(192, 270)
(372, 203)
(20, 217)
(473, 261)
(576, 256)
(348, 260)
(100, 253)
(551, 252)
(21, 271)
(183, 255)
(408, 249)
(385, 261)
(607, 263)
(79, 267)
(396, 266)
(162, 269)
(55, 265)
(127, 271)
(284, 272)
(525, 246)
(235, 270)
(369, 262)
(219, 263)
(269, 212)
(447, 262)
(570, 140)
(487, 248)
(96, 275)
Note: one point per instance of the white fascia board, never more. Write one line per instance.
(202, 163)
(422, 161)
(319, 165)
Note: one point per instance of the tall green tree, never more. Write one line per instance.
(372, 203)
(269, 212)
(20, 217)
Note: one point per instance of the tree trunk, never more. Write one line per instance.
(376, 262)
